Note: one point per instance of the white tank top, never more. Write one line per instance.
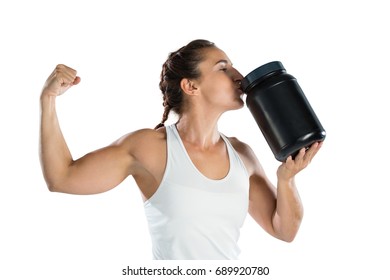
(192, 217)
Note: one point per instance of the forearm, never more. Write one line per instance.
(54, 153)
(278, 210)
(289, 210)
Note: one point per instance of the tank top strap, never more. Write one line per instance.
(233, 154)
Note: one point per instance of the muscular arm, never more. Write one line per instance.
(276, 209)
(95, 172)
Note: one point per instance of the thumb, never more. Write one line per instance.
(65, 86)
(76, 81)
(69, 84)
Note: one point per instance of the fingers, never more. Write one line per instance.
(66, 76)
(313, 150)
(291, 166)
(60, 80)
(307, 155)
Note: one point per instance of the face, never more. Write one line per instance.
(219, 84)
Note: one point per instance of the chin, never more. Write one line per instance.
(238, 105)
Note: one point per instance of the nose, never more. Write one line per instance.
(238, 83)
(238, 74)
(237, 77)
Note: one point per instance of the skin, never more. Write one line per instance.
(142, 154)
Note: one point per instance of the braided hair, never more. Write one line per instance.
(180, 64)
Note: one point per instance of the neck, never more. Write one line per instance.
(199, 131)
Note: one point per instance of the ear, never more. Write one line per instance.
(188, 87)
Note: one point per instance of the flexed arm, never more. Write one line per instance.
(54, 152)
(96, 172)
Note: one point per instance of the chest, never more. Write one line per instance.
(213, 163)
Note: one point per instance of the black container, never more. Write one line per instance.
(281, 110)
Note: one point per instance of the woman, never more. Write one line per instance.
(197, 184)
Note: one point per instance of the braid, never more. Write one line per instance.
(180, 64)
(167, 110)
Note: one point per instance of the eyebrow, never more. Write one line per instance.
(223, 61)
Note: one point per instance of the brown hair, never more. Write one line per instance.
(180, 64)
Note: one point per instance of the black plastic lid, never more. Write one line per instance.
(260, 72)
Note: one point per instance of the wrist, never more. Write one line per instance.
(286, 180)
(47, 93)
(47, 101)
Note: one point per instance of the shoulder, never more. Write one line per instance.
(246, 154)
(239, 146)
(142, 140)
(143, 135)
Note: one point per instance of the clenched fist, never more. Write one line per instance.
(60, 80)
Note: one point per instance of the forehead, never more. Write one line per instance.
(214, 55)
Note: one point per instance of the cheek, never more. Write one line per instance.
(223, 87)
(219, 90)
(223, 93)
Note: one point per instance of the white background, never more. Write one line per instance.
(338, 51)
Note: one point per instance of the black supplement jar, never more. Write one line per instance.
(281, 110)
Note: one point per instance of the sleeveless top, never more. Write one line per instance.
(192, 217)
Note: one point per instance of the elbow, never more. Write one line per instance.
(289, 238)
(52, 187)
(290, 234)
(289, 231)
(55, 186)
(55, 183)
(50, 184)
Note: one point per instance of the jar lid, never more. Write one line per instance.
(260, 72)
